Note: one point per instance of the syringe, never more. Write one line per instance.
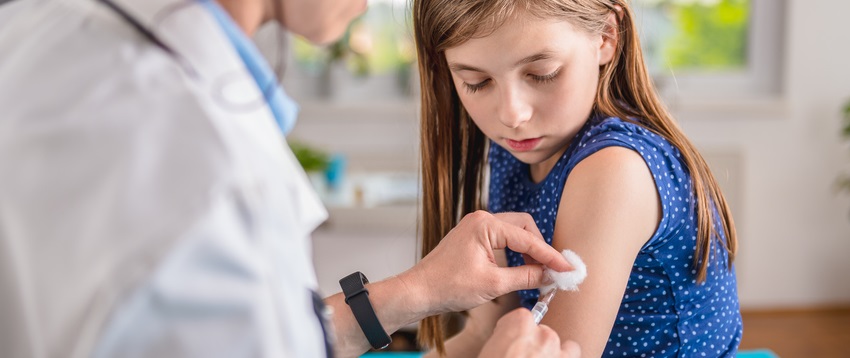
(542, 305)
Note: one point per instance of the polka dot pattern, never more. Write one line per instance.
(664, 311)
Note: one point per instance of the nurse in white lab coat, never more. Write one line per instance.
(149, 207)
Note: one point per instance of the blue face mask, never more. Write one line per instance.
(283, 107)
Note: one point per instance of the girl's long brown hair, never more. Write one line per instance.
(453, 150)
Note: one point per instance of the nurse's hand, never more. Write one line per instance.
(516, 335)
(461, 272)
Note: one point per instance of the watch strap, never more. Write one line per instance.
(357, 298)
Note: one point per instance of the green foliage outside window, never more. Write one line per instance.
(316, 59)
(378, 42)
(710, 36)
(676, 34)
(695, 34)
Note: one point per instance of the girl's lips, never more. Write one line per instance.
(523, 145)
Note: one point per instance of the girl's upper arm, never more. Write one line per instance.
(609, 209)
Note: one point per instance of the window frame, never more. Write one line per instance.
(757, 90)
(761, 79)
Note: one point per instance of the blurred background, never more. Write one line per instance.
(761, 86)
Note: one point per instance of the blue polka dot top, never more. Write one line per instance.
(664, 312)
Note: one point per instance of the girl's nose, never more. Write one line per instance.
(513, 109)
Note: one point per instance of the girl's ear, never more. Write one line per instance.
(610, 37)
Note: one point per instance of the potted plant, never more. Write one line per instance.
(844, 180)
(846, 131)
(314, 162)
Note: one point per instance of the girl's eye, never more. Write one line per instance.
(546, 78)
(472, 88)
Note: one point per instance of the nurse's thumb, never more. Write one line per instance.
(524, 277)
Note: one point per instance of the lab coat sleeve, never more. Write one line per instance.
(128, 225)
(210, 297)
(133, 236)
(115, 261)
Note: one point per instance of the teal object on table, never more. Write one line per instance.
(335, 171)
(761, 353)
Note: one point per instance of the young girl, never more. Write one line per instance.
(579, 139)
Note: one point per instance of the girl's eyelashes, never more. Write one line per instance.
(546, 78)
(542, 79)
(472, 88)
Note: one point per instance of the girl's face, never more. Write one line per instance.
(530, 85)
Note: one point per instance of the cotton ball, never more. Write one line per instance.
(567, 281)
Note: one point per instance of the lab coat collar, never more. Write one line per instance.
(152, 14)
(162, 18)
(283, 108)
(208, 59)
(168, 21)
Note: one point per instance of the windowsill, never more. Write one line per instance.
(397, 218)
(368, 189)
(327, 109)
(375, 200)
(692, 108)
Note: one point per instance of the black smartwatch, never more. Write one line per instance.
(357, 298)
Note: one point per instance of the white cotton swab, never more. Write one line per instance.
(567, 281)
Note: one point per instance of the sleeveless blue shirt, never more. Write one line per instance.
(664, 311)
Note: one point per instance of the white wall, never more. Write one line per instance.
(794, 229)
(782, 158)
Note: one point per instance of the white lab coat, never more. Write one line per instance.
(142, 214)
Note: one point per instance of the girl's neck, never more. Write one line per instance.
(539, 171)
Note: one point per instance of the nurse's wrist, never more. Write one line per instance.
(399, 301)
(396, 301)
(420, 300)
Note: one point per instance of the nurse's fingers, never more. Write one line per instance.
(528, 260)
(523, 220)
(570, 349)
(504, 234)
(525, 277)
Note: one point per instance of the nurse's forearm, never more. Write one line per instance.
(459, 274)
(397, 301)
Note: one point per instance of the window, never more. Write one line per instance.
(690, 34)
(713, 48)
(696, 50)
(375, 57)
